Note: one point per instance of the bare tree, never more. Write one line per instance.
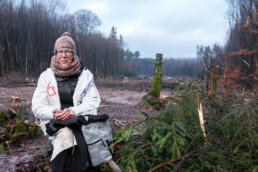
(86, 21)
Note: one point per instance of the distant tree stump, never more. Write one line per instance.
(152, 97)
(14, 99)
(125, 80)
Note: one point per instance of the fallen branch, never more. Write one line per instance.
(169, 162)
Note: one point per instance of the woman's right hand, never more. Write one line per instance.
(63, 114)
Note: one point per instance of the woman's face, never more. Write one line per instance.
(64, 56)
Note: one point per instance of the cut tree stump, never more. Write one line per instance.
(14, 99)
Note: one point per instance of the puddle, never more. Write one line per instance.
(126, 97)
(117, 100)
(123, 97)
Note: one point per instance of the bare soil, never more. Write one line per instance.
(120, 99)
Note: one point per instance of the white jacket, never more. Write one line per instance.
(86, 100)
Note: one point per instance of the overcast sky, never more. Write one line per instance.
(170, 27)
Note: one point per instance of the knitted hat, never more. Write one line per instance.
(65, 41)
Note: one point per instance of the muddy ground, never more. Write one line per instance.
(120, 99)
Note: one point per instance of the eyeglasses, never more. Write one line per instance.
(61, 52)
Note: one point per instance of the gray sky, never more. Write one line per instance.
(171, 27)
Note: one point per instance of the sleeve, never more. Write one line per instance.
(90, 101)
(40, 104)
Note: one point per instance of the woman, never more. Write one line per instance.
(63, 91)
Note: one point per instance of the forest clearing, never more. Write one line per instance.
(182, 101)
(119, 100)
(144, 140)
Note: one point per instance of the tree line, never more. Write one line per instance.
(171, 67)
(29, 29)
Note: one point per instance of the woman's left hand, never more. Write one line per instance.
(65, 114)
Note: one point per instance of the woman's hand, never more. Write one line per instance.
(63, 115)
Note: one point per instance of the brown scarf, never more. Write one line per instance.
(70, 70)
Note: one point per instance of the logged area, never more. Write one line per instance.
(122, 101)
(181, 98)
(187, 123)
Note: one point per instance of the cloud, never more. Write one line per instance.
(100, 8)
(171, 27)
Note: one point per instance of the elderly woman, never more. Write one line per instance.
(65, 90)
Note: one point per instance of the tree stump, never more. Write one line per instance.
(14, 99)
(157, 79)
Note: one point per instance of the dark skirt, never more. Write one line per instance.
(68, 160)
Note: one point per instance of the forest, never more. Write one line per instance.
(167, 114)
(28, 30)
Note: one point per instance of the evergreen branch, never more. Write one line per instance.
(146, 149)
(167, 168)
(158, 159)
(209, 96)
(161, 165)
(136, 152)
(169, 163)
(154, 118)
(185, 155)
(162, 141)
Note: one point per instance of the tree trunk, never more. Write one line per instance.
(157, 79)
(1, 53)
(26, 61)
(213, 80)
(255, 83)
(210, 69)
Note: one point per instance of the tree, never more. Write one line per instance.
(113, 33)
(203, 55)
(86, 21)
(121, 42)
(242, 42)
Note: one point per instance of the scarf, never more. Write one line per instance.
(70, 70)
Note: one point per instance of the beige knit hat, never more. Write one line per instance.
(65, 41)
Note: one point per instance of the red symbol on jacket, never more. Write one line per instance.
(51, 88)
